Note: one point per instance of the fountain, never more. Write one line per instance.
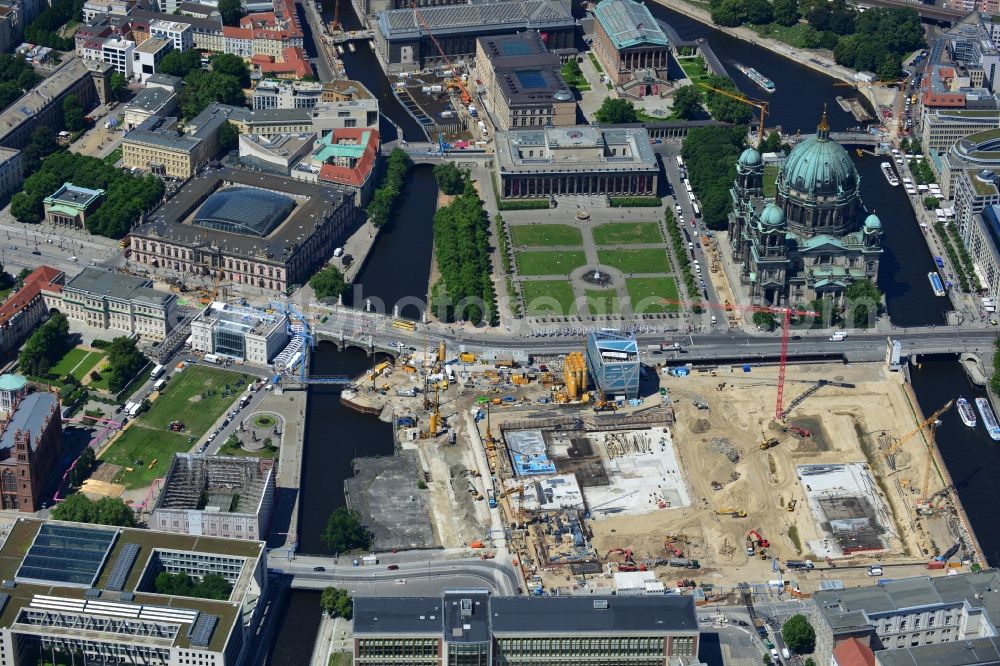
(596, 277)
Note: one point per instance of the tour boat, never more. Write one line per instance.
(889, 174)
(965, 411)
(989, 418)
(936, 284)
(758, 78)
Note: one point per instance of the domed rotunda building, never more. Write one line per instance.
(815, 237)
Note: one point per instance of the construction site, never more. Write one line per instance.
(693, 482)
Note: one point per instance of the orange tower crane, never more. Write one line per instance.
(758, 104)
(466, 97)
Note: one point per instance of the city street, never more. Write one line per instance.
(29, 245)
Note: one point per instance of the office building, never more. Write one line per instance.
(276, 154)
(523, 83)
(474, 627)
(345, 159)
(240, 333)
(245, 228)
(43, 104)
(88, 593)
(97, 9)
(984, 247)
(292, 63)
(179, 34)
(815, 238)
(25, 308)
(118, 54)
(632, 48)
(975, 190)
(280, 94)
(30, 445)
(150, 101)
(910, 612)
(206, 33)
(69, 205)
(269, 122)
(551, 161)
(216, 496)
(116, 302)
(345, 114)
(613, 364)
(148, 56)
(403, 42)
(11, 172)
(9, 30)
(941, 128)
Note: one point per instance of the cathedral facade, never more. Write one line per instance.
(814, 238)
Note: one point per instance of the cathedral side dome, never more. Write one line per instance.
(772, 216)
(872, 222)
(750, 157)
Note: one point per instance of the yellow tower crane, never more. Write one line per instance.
(924, 487)
(758, 104)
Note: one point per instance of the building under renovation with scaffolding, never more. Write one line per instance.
(217, 496)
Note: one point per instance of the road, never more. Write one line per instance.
(430, 575)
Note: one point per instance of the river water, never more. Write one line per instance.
(399, 264)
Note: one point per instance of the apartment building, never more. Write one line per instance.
(474, 627)
(180, 34)
(148, 56)
(119, 54)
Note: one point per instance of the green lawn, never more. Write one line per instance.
(196, 396)
(694, 68)
(548, 297)
(113, 156)
(143, 444)
(800, 35)
(603, 302)
(617, 233)
(770, 178)
(635, 261)
(537, 235)
(647, 295)
(550, 263)
(574, 81)
(77, 362)
(597, 64)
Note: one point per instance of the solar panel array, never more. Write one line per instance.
(122, 567)
(67, 555)
(201, 630)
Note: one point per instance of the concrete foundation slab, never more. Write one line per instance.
(384, 491)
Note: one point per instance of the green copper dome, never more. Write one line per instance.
(819, 166)
(750, 157)
(872, 222)
(772, 216)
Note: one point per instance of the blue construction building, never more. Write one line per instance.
(613, 364)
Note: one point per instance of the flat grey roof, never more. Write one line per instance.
(164, 80)
(467, 616)
(473, 17)
(152, 45)
(97, 281)
(850, 607)
(39, 97)
(567, 615)
(573, 150)
(29, 416)
(161, 132)
(200, 24)
(314, 201)
(397, 615)
(955, 653)
(151, 100)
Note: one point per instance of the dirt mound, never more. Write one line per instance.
(700, 426)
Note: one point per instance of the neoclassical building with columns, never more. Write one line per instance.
(814, 238)
(244, 228)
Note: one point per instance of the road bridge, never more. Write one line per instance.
(932, 11)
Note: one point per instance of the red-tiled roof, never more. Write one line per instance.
(852, 652)
(362, 169)
(294, 62)
(41, 277)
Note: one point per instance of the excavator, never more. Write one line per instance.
(735, 513)
(755, 541)
(628, 562)
(669, 545)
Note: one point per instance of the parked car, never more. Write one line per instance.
(393, 567)
(320, 569)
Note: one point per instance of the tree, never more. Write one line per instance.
(615, 111)
(345, 532)
(759, 12)
(45, 347)
(232, 65)
(105, 511)
(201, 88)
(328, 283)
(726, 108)
(231, 10)
(229, 137)
(124, 363)
(337, 603)
(711, 154)
(180, 63)
(863, 301)
(72, 113)
(810, 661)
(379, 209)
(765, 320)
(889, 67)
(83, 466)
(786, 12)
(729, 13)
(41, 144)
(211, 586)
(450, 179)
(798, 634)
(930, 203)
(119, 85)
(687, 103)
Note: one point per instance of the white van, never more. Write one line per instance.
(156, 372)
(160, 384)
(838, 336)
(875, 571)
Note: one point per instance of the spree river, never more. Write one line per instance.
(399, 264)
